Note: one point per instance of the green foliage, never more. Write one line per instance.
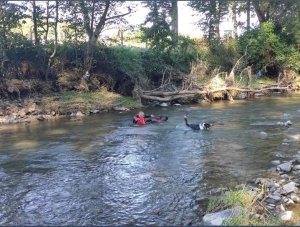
(128, 60)
(265, 47)
(232, 198)
(222, 54)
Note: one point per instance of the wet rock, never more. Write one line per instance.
(217, 218)
(263, 135)
(242, 96)
(95, 111)
(41, 117)
(286, 216)
(176, 104)
(164, 104)
(275, 162)
(279, 155)
(285, 167)
(289, 188)
(294, 138)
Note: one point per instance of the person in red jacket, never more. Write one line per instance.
(140, 119)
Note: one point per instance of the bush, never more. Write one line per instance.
(265, 47)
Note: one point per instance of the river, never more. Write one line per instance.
(102, 171)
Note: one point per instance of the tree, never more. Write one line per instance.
(96, 15)
(55, 40)
(213, 11)
(11, 15)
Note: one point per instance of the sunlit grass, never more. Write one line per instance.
(72, 101)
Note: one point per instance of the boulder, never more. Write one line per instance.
(285, 167)
(176, 104)
(217, 218)
(296, 167)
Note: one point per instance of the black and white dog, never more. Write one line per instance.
(201, 126)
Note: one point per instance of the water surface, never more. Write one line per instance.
(103, 171)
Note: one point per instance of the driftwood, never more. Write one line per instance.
(162, 96)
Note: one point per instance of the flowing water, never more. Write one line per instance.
(103, 171)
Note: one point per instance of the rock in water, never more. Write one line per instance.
(164, 104)
(217, 218)
(263, 135)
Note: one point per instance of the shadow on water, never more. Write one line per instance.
(102, 171)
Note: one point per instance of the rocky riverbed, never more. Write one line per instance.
(38, 109)
(277, 195)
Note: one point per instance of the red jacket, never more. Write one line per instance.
(139, 121)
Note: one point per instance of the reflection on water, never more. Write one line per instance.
(103, 171)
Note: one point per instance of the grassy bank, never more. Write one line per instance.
(71, 101)
(253, 214)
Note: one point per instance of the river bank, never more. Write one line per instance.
(66, 104)
(272, 200)
(79, 104)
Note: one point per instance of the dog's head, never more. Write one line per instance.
(204, 126)
(207, 125)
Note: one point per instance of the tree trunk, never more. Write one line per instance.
(35, 29)
(47, 23)
(93, 36)
(55, 42)
(248, 15)
(174, 22)
(234, 19)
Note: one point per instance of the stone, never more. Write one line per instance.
(289, 188)
(286, 216)
(79, 114)
(279, 155)
(22, 113)
(53, 113)
(275, 162)
(242, 96)
(176, 104)
(40, 118)
(295, 198)
(217, 218)
(263, 135)
(274, 197)
(296, 167)
(164, 104)
(285, 167)
(120, 108)
(95, 111)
